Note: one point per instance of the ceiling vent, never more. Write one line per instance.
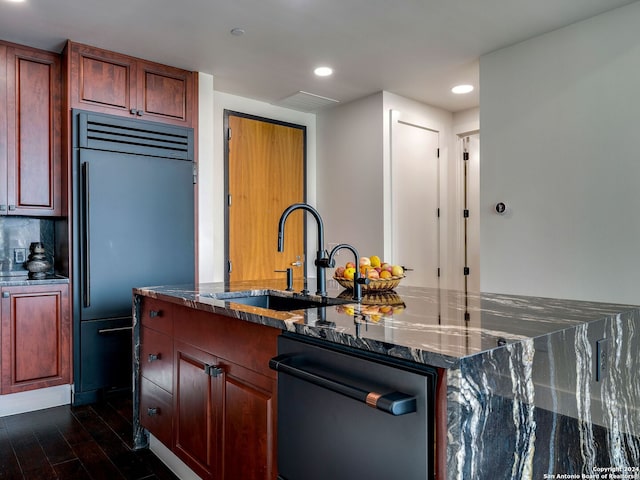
(305, 102)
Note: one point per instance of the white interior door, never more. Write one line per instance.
(415, 201)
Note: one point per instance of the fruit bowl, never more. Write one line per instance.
(379, 298)
(374, 285)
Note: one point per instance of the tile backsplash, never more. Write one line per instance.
(16, 235)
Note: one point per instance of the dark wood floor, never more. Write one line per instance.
(86, 442)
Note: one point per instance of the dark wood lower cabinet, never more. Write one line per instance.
(249, 428)
(35, 337)
(196, 428)
(224, 412)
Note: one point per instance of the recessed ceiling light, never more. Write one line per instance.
(16, 1)
(237, 31)
(323, 71)
(459, 89)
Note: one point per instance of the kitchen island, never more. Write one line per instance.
(526, 386)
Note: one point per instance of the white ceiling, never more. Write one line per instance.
(415, 48)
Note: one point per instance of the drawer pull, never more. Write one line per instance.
(154, 356)
(105, 331)
(153, 411)
(155, 313)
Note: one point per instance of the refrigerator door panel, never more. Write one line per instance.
(137, 228)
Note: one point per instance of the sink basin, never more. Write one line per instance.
(282, 303)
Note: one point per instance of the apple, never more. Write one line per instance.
(365, 261)
(384, 274)
(349, 273)
(339, 271)
(386, 266)
(378, 269)
(397, 271)
(373, 274)
(350, 265)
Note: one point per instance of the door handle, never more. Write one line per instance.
(86, 269)
(393, 403)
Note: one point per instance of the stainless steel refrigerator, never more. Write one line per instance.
(133, 226)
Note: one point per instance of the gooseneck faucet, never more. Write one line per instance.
(321, 253)
(358, 281)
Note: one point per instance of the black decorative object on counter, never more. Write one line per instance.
(37, 264)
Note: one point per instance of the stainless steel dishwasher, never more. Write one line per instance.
(344, 415)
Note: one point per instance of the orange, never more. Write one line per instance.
(385, 274)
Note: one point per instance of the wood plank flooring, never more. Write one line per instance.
(76, 443)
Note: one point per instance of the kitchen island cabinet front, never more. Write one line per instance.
(221, 401)
(518, 381)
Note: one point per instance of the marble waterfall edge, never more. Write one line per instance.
(544, 408)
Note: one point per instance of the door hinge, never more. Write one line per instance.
(466, 271)
(195, 174)
(467, 316)
(229, 266)
(438, 271)
(438, 153)
(438, 212)
(465, 213)
(229, 200)
(229, 133)
(213, 370)
(465, 156)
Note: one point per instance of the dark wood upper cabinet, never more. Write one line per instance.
(30, 120)
(110, 82)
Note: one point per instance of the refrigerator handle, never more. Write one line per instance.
(86, 270)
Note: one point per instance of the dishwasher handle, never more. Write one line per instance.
(393, 403)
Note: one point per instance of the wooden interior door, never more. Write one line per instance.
(265, 174)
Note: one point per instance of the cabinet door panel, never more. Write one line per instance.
(34, 121)
(105, 83)
(195, 410)
(35, 337)
(3, 130)
(249, 425)
(165, 92)
(102, 81)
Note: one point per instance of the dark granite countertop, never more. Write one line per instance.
(429, 326)
(24, 280)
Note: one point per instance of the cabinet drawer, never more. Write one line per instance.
(156, 411)
(156, 358)
(157, 314)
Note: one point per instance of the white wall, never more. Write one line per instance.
(207, 238)
(559, 122)
(354, 169)
(350, 176)
(211, 189)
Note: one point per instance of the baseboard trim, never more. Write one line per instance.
(166, 456)
(23, 402)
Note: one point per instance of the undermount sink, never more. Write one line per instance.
(284, 303)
